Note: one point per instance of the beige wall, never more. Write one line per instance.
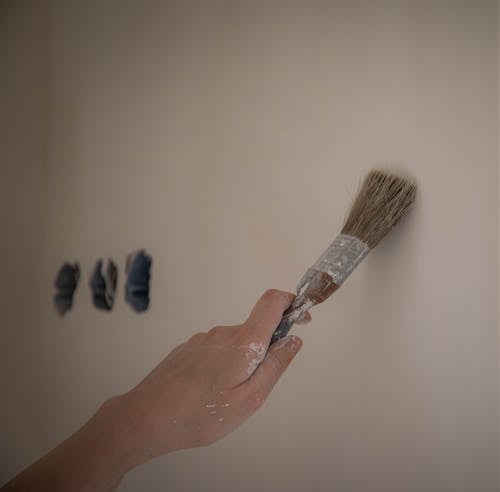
(498, 221)
(23, 137)
(227, 139)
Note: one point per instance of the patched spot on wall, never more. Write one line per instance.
(66, 283)
(138, 270)
(103, 284)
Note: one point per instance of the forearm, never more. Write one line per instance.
(204, 389)
(95, 458)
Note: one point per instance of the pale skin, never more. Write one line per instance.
(203, 390)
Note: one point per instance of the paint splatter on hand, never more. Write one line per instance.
(206, 387)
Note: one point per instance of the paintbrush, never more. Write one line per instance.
(383, 199)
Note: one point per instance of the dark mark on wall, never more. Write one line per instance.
(66, 282)
(103, 284)
(138, 269)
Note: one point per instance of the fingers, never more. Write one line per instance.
(277, 359)
(305, 318)
(267, 314)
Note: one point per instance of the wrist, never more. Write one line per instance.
(115, 438)
(125, 435)
(95, 458)
(99, 454)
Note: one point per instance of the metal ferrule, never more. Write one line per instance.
(341, 257)
(338, 261)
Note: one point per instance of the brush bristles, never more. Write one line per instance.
(381, 202)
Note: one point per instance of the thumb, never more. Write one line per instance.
(277, 359)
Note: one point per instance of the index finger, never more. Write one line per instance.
(267, 313)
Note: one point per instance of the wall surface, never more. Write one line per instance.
(227, 138)
(23, 137)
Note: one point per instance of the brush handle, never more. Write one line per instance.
(299, 306)
(315, 287)
(282, 329)
(323, 279)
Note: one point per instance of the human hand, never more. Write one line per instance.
(204, 389)
(209, 385)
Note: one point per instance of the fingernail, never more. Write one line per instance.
(287, 298)
(291, 342)
(295, 343)
(303, 320)
(282, 342)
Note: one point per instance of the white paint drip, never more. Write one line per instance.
(220, 420)
(255, 353)
(302, 290)
(226, 404)
(213, 412)
(210, 405)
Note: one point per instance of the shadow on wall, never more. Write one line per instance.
(390, 376)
